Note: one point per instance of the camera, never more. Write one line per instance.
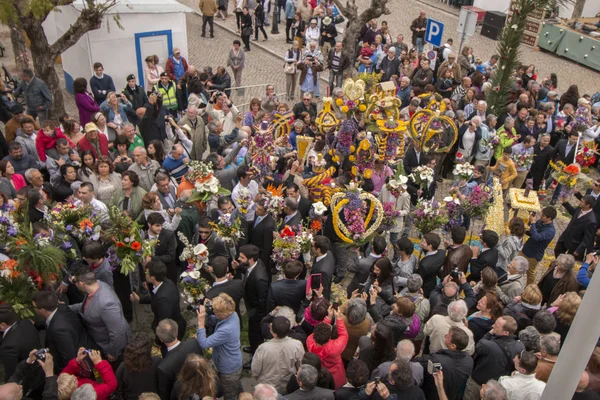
(433, 368)
(41, 354)
(454, 274)
(205, 302)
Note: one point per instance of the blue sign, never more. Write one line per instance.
(434, 32)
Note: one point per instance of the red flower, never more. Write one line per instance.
(287, 232)
(120, 244)
(136, 246)
(459, 155)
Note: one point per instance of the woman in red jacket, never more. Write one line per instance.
(330, 350)
(80, 369)
(97, 144)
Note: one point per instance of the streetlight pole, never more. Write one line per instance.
(275, 22)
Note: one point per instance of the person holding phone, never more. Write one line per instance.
(78, 367)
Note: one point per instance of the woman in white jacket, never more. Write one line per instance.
(151, 204)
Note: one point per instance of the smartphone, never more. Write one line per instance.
(315, 281)
(335, 305)
(433, 368)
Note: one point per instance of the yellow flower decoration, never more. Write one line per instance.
(352, 158)
(335, 159)
(365, 144)
(330, 152)
(339, 102)
(352, 149)
(368, 174)
(344, 109)
(362, 108)
(354, 171)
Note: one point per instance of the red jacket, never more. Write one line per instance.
(331, 353)
(43, 142)
(170, 68)
(84, 144)
(103, 390)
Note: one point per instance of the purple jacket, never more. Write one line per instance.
(87, 107)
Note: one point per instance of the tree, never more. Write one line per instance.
(357, 22)
(578, 9)
(29, 16)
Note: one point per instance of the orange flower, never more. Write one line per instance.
(316, 225)
(20, 241)
(86, 223)
(136, 246)
(120, 244)
(287, 231)
(10, 264)
(206, 178)
(572, 169)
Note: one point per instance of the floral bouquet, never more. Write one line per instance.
(586, 156)
(194, 255)
(362, 215)
(493, 142)
(581, 122)
(364, 158)
(193, 285)
(206, 185)
(305, 238)
(397, 185)
(477, 202)
(463, 171)
(129, 247)
(460, 158)
(422, 176)
(78, 220)
(452, 205)
(8, 226)
(523, 159)
(566, 175)
(244, 200)
(317, 216)
(390, 216)
(286, 247)
(429, 215)
(16, 288)
(228, 228)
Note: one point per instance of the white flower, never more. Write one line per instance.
(189, 299)
(199, 249)
(5, 273)
(403, 180)
(195, 274)
(451, 199)
(319, 208)
(184, 274)
(515, 27)
(394, 184)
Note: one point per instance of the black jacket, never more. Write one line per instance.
(578, 236)
(344, 61)
(152, 124)
(494, 357)
(256, 288)
(234, 288)
(171, 364)
(560, 152)
(137, 97)
(596, 208)
(428, 269)
(325, 267)
(541, 161)
(328, 29)
(166, 251)
(223, 82)
(457, 367)
(286, 292)
(64, 336)
(410, 160)
(165, 304)
(304, 206)
(261, 236)
(488, 258)
(15, 347)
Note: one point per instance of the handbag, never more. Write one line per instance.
(247, 31)
(289, 68)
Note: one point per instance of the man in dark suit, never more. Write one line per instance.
(166, 249)
(362, 267)
(224, 282)
(64, 332)
(304, 205)
(357, 375)
(261, 232)
(488, 257)
(19, 337)
(307, 380)
(412, 159)
(167, 193)
(292, 218)
(428, 191)
(226, 206)
(431, 263)
(578, 236)
(324, 263)
(167, 331)
(542, 154)
(163, 297)
(595, 193)
(37, 208)
(208, 237)
(256, 288)
(289, 291)
(188, 226)
(564, 151)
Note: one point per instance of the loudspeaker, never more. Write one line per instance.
(495, 18)
(491, 32)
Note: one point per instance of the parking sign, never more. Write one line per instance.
(434, 32)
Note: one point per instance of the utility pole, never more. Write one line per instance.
(275, 22)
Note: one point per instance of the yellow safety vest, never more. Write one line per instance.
(169, 95)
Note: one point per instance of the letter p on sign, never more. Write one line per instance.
(434, 32)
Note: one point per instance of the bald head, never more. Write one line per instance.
(11, 391)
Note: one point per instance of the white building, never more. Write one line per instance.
(149, 27)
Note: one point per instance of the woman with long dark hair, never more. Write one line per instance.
(156, 151)
(246, 24)
(381, 348)
(571, 96)
(84, 100)
(381, 279)
(138, 372)
(88, 166)
(196, 377)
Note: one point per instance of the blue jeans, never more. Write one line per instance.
(420, 45)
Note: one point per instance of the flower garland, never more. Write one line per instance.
(345, 138)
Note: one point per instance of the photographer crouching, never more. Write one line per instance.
(225, 342)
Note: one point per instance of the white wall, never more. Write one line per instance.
(591, 8)
(492, 5)
(115, 49)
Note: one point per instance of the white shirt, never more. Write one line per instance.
(6, 331)
(235, 195)
(251, 269)
(172, 347)
(216, 283)
(155, 289)
(522, 387)
(100, 208)
(50, 317)
(320, 258)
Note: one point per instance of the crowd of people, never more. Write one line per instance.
(458, 321)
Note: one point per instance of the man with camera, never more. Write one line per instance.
(225, 342)
(163, 296)
(36, 383)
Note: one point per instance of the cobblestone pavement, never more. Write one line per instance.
(402, 14)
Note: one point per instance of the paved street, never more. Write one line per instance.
(403, 12)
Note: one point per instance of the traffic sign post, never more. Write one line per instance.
(434, 32)
(467, 22)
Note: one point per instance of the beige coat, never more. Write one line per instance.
(437, 327)
(198, 135)
(208, 7)
(276, 361)
(402, 205)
